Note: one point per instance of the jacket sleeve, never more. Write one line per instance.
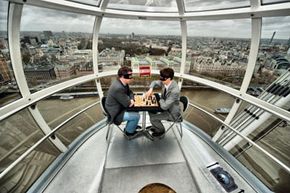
(122, 97)
(166, 104)
(156, 83)
(131, 94)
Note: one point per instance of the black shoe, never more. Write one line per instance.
(138, 128)
(159, 135)
(151, 129)
(131, 135)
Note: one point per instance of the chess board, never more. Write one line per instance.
(145, 104)
(141, 101)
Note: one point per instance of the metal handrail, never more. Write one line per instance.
(27, 152)
(244, 137)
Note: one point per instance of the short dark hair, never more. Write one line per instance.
(167, 73)
(124, 71)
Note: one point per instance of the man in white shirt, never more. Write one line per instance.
(169, 101)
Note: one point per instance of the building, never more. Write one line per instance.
(111, 58)
(37, 75)
(4, 70)
(64, 71)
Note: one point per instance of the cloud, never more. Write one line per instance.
(3, 15)
(40, 19)
(198, 5)
(160, 3)
(147, 27)
(239, 28)
(280, 25)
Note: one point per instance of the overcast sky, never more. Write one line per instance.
(40, 19)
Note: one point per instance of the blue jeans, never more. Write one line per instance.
(132, 119)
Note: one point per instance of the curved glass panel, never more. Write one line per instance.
(273, 135)
(274, 1)
(213, 101)
(197, 5)
(17, 133)
(24, 174)
(56, 50)
(158, 47)
(219, 50)
(79, 124)
(69, 102)
(87, 2)
(8, 87)
(144, 5)
(271, 78)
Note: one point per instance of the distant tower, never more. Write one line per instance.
(288, 54)
(272, 37)
(133, 35)
(47, 34)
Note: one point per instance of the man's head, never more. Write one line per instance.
(125, 74)
(166, 75)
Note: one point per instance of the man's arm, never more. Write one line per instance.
(122, 97)
(131, 94)
(166, 104)
(156, 83)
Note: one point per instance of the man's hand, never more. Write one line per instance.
(132, 103)
(149, 93)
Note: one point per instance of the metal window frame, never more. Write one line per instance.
(14, 18)
(255, 41)
(245, 138)
(281, 9)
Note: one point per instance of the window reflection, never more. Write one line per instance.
(18, 133)
(273, 136)
(24, 174)
(55, 50)
(8, 87)
(219, 50)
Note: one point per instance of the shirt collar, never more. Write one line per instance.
(167, 86)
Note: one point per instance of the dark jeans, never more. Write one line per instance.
(156, 118)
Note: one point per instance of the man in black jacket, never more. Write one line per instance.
(119, 98)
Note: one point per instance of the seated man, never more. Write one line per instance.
(121, 97)
(169, 101)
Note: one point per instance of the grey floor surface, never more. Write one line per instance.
(133, 164)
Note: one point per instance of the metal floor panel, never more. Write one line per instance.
(82, 172)
(133, 179)
(133, 164)
(142, 151)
